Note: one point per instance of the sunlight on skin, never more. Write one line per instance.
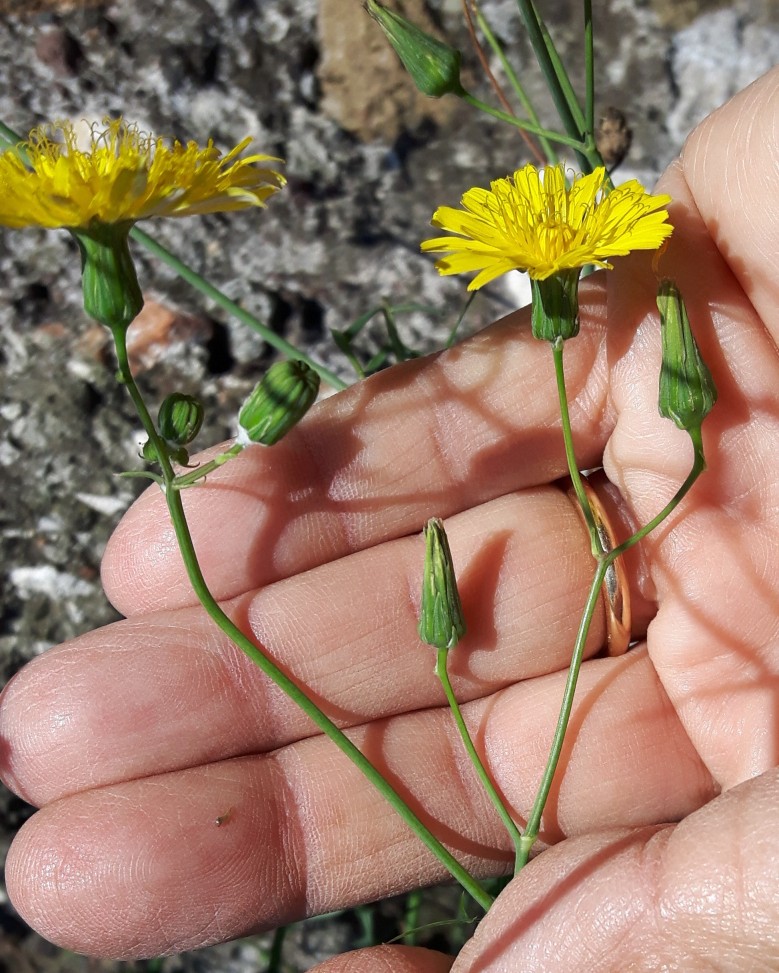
(125, 858)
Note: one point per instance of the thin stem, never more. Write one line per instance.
(9, 136)
(604, 563)
(533, 26)
(572, 141)
(548, 153)
(268, 667)
(497, 801)
(184, 480)
(573, 468)
(453, 333)
(698, 467)
(534, 819)
(193, 278)
(561, 74)
(589, 70)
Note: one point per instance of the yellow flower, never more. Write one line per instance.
(533, 222)
(124, 176)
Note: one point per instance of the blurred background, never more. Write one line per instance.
(367, 159)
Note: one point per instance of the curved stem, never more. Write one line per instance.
(570, 456)
(268, 667)
(497, 802)
(534, 819)
(698, 467)
(604, 563)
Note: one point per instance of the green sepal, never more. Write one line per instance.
(180, 418)
(687, 390)
(555, 306)
(178, 454)
(278, 402)
(434, 66)
(112, 294)
(441, 621)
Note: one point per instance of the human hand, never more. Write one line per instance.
(135, 739)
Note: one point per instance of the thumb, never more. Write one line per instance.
(699, 895)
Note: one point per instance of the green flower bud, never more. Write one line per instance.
(687, 391)
(555, 308)
(180, 418)
(179, 454)
(434, 66)
(441, 621)
(149, 452)
(278, 402)
(112, 294)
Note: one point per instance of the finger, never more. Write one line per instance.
(169, 691)
(388, 959)
(431, 437)
(730, 165)
(698, 896)
(713, 562)
(140, 868)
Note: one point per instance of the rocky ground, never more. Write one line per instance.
(367, 160)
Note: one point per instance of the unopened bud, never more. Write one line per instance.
(441, 621)
(687, 391)
(180, 418)
(434, 66)
(278, 402)
(109, 283)
(555, 307)
(178, 454)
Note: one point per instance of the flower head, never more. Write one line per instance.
(533, 222)
(125, 175)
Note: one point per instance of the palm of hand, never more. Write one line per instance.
(135, 739)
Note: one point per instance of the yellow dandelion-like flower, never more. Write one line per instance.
(533, 222)
(125, 175)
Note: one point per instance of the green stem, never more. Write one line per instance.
(184, 480)
(534, 819)
(570, 456)
(561, 74)
(194, 279)
(497, 802)
(269, 668)
(514, 81)
(573, 141)
(698, 467)
(532, 24)
(589, 70)
(10, 137)
(604, 563)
